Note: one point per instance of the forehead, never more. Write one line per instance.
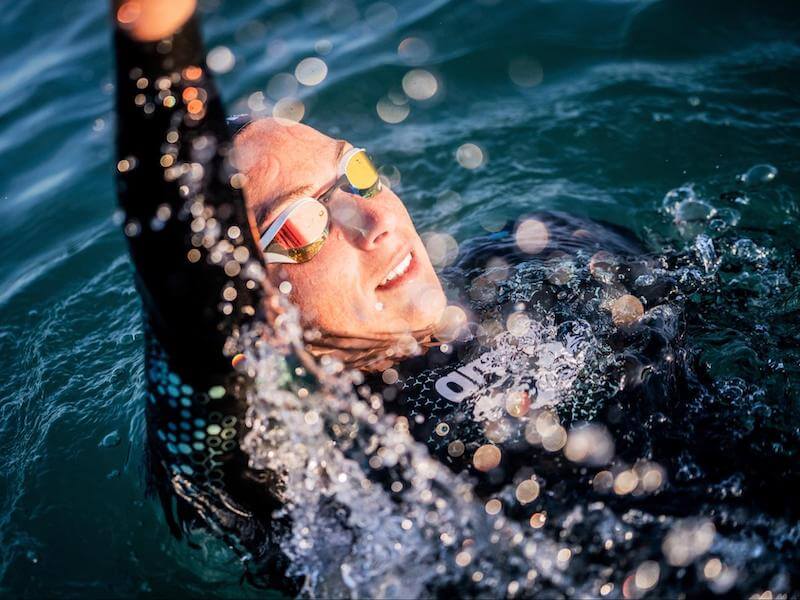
(280, 157)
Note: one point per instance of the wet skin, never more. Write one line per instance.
(342, 291)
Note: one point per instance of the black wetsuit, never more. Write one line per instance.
(198, 269)
(199, 273)
(568, 357)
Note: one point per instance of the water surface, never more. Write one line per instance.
(595, 108)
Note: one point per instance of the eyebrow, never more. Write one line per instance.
(342, 144)
(265, 208)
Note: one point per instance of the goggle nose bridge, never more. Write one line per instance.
(349, 175)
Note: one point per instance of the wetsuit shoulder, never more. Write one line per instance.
(539, 337)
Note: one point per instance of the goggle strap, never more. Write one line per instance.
(274, 257)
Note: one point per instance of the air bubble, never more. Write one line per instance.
(759, 174)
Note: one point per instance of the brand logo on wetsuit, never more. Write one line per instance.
(468, 379)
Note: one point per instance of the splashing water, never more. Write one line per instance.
(372, 513)
(596, 108)
(352, 535)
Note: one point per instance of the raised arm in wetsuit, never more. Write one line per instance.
(198, 270)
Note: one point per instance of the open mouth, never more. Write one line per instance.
(398, 273)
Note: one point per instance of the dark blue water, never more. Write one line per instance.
(595, 108)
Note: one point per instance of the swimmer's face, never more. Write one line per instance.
(342, 291)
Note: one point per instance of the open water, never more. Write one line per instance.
(677, 120)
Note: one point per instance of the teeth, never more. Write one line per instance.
(398, 270)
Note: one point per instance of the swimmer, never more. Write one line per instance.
(219, 219)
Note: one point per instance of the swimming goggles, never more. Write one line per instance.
(300, 231)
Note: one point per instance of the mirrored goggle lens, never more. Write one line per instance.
(361, 174)
(302, 234)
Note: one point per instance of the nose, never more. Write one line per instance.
(380, 223)
(371, 222)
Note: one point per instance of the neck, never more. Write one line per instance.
(372, 354)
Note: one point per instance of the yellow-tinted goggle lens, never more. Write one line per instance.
(361, 174)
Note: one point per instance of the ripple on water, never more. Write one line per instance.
(567, 124)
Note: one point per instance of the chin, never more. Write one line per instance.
(428, 314)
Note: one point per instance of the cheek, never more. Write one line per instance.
(402, 216)
(428, 272)
(325, 289)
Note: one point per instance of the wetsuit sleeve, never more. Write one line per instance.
(200, 275)
(198, 268)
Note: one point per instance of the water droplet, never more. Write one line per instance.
(518, 324)
(688, 211)
(525, 71)
(282, 85)
(527, 491)
(221, 59)
(704, 247)
(625, 482)
(414, 50)
(442, 248)
(470, 156)
(493, 506)
(256, 102)
(390, 175)
(687, 540)
(759, 174)
(110, 440)
(747, 249)
(538, 520)
(380, 14)
(455, 448)
(420, 84)
(603, 482)
(323, 46)
(589, 444)
(603, 266)
(311, 71)
(392, 113)
(289, 109)
(691, 215)
(532, 236)
(486, 458)
(674, 197)
(647, 575)
(518, 404)
(712, 568)
(132, 228)
(626, 310)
